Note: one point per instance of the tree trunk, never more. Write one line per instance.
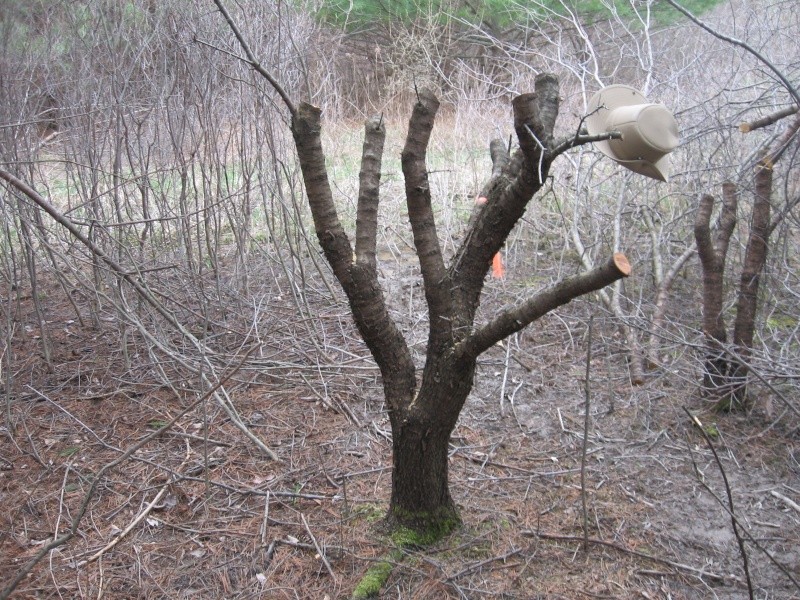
(754, 262)
(421, 498)
(725, 373)
(712, 259)
(747, 303)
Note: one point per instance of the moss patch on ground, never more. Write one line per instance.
(403, 538)
(372, 581)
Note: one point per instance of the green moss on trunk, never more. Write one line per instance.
(420, 529)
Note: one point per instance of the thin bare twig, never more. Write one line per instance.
(790, 503)
(587, 391)
(319, 550)
(735, 519)
(739, 540)
(744, 45)
(479, 565)
(140, 517)
(580, 140)
(265, 521)
(252, 61)
(621, 548)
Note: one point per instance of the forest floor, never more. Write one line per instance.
(203, 513)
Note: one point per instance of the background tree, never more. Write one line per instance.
(726, 368)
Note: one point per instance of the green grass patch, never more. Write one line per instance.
(371, 513)
(778, 322)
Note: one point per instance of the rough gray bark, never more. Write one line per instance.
(368, 192)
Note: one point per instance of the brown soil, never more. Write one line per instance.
(230, 523)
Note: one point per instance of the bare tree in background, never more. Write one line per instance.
(726, 367)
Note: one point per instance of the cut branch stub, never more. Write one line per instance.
(499, 155)
(712, 258)
(514, 182)
(535, 118)
(516, 318)
(528, 132)
(768, 120)
(621, 263)
(546, 106)
(368, 191)
(306, 129)
(359, 281)
(727, 218)
(754, 260)
(420, 211)
(712, 254)
(500, 161)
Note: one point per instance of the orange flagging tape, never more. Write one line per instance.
(498, 271)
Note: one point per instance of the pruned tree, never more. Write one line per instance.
(424, 413)
(726, 369)
(726, 366)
